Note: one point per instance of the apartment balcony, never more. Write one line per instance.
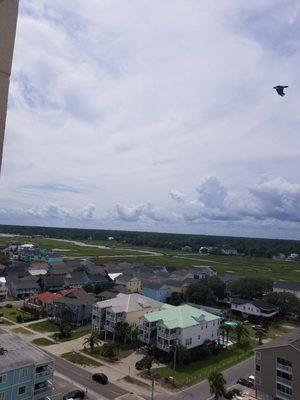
(284, 381)
(285, 368)
(43, 374)
(114, 317)
(284, 396)
(42, 392)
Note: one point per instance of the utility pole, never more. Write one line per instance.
(152, 386)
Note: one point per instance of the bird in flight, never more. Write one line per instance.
(280, 89)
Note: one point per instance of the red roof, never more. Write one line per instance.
(48, 297)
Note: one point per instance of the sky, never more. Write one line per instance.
(156, 116)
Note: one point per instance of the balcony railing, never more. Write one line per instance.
(43, 373)
(167, 334)
(283, 396)
(285, 382)
(109, 328)
(42, 390)
(284, 367)
(163, 346)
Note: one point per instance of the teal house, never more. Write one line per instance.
(26, 372)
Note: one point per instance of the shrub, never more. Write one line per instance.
(19, 319)
(8, 305)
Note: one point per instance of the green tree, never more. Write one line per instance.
(123, 333)
(92, 340)
(287, 303)
(148, 362)
(109, 350)
(176, 299)
(217, 384)
(241, 332)
(260, 335)
(249, 288)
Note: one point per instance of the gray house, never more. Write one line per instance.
(23, 287)
(277, 368)
(75, 308)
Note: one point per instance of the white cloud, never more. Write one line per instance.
(121, 101)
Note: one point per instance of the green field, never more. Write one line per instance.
(42, 342)
(246, 266)
(22, 331)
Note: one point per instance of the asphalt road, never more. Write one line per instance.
(201, 390)
(83, 378)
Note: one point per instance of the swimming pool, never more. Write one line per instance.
(231, 323)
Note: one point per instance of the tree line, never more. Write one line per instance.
(253, 247)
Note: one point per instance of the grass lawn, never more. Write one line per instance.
(12, 313)
(5, 322)
(76, 335)
(198, 370)
(44, 326)
(23, 331)
(42, 342)
(80, 359)
(134, 381)
(123, 352)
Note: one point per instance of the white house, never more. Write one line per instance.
(173, 325)
(108, 314)
(3, 288)
(289, 287)
(257, 308)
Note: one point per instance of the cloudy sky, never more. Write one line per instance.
(155, 115)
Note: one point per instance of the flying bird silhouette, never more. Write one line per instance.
(280, 89)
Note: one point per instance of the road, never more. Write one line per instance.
(83, 378)
(201, 390)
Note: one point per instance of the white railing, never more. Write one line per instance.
(42, 390)
(43, 373)
(284, 367)
(284, 381)
(283, 396)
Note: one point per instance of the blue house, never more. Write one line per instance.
(156, 291)
(26, 372)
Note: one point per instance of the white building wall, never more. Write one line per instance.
(247, 308)
(199, 334)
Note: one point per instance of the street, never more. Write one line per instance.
(83, 379)
(201, 390)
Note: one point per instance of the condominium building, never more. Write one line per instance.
(173, 325)
(26, 372)
(8, 21)
(3, 288)
(108, 314)
(277, 368)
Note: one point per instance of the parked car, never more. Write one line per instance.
(259, 328)
(76, 394)
(245, 382)
(100, 378)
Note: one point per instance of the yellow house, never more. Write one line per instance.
(131, 283)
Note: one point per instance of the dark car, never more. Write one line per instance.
(245, 382)
(74, 395)
(100, 378)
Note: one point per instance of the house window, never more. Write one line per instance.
(23, 373)
(257, 367)
(258, 355)
(3, 378)
(22, 389)
(284, 389)
(201, 327)
(188, 341)
(199, 337)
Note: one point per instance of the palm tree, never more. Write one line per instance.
(260, 335)
(92, 341)
(241, 332)
(217, 384)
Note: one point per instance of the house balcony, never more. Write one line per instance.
(284, 396)
(166, 334)
(44, 373)
(163, 346)
(110, 328)
(114, 317)
(144, 337)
